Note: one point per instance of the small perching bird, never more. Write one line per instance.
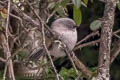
(65, 28)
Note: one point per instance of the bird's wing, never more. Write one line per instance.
(35, 56)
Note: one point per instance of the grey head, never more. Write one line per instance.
(63, 24)
(66, 29)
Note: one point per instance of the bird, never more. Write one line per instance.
(65, 28)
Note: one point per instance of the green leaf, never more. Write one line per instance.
(64, 3)
(95, 25)
(1, 28)
(68, 74)
(60, 12)
(72, 73)
(94, 71)
(118, 5)
(23, 54)
(64, 73)
(77, 15)
(77, 3)
(4, 13)
(82, 3)
(85, 1)
(56, 5)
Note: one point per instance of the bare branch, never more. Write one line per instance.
(7, 49)
(5, 72)
(105, 44)
(115, 52)
(3, 60)
(87, 44)
(88, 36)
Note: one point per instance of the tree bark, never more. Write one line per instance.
(105, 44)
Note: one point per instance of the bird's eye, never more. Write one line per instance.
(75, 26)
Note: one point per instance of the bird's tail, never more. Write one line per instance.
(36, 56)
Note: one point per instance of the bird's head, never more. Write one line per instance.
(63, 24)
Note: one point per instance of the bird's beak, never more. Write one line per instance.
(75, 26)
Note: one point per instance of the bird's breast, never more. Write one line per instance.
(69, 38)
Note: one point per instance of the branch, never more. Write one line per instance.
(105, 44)
(88, 36)
(115, 52)
(3, 60)
(7, 49)
(48, 53)
(81, 66)
(87, 44)
(79, 45)
(5, 72)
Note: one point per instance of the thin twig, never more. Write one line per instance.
(117, 31)
(117, 36)
(8, 53)
(40, 19)
(21, 22)
(3, 60)
(51, 15)
(86, 44)
(43, 36)
(68, 52)
(3, 2)
(79, 45)
(5, 72)
(28, 18)
(116, 51)
(88, 36)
